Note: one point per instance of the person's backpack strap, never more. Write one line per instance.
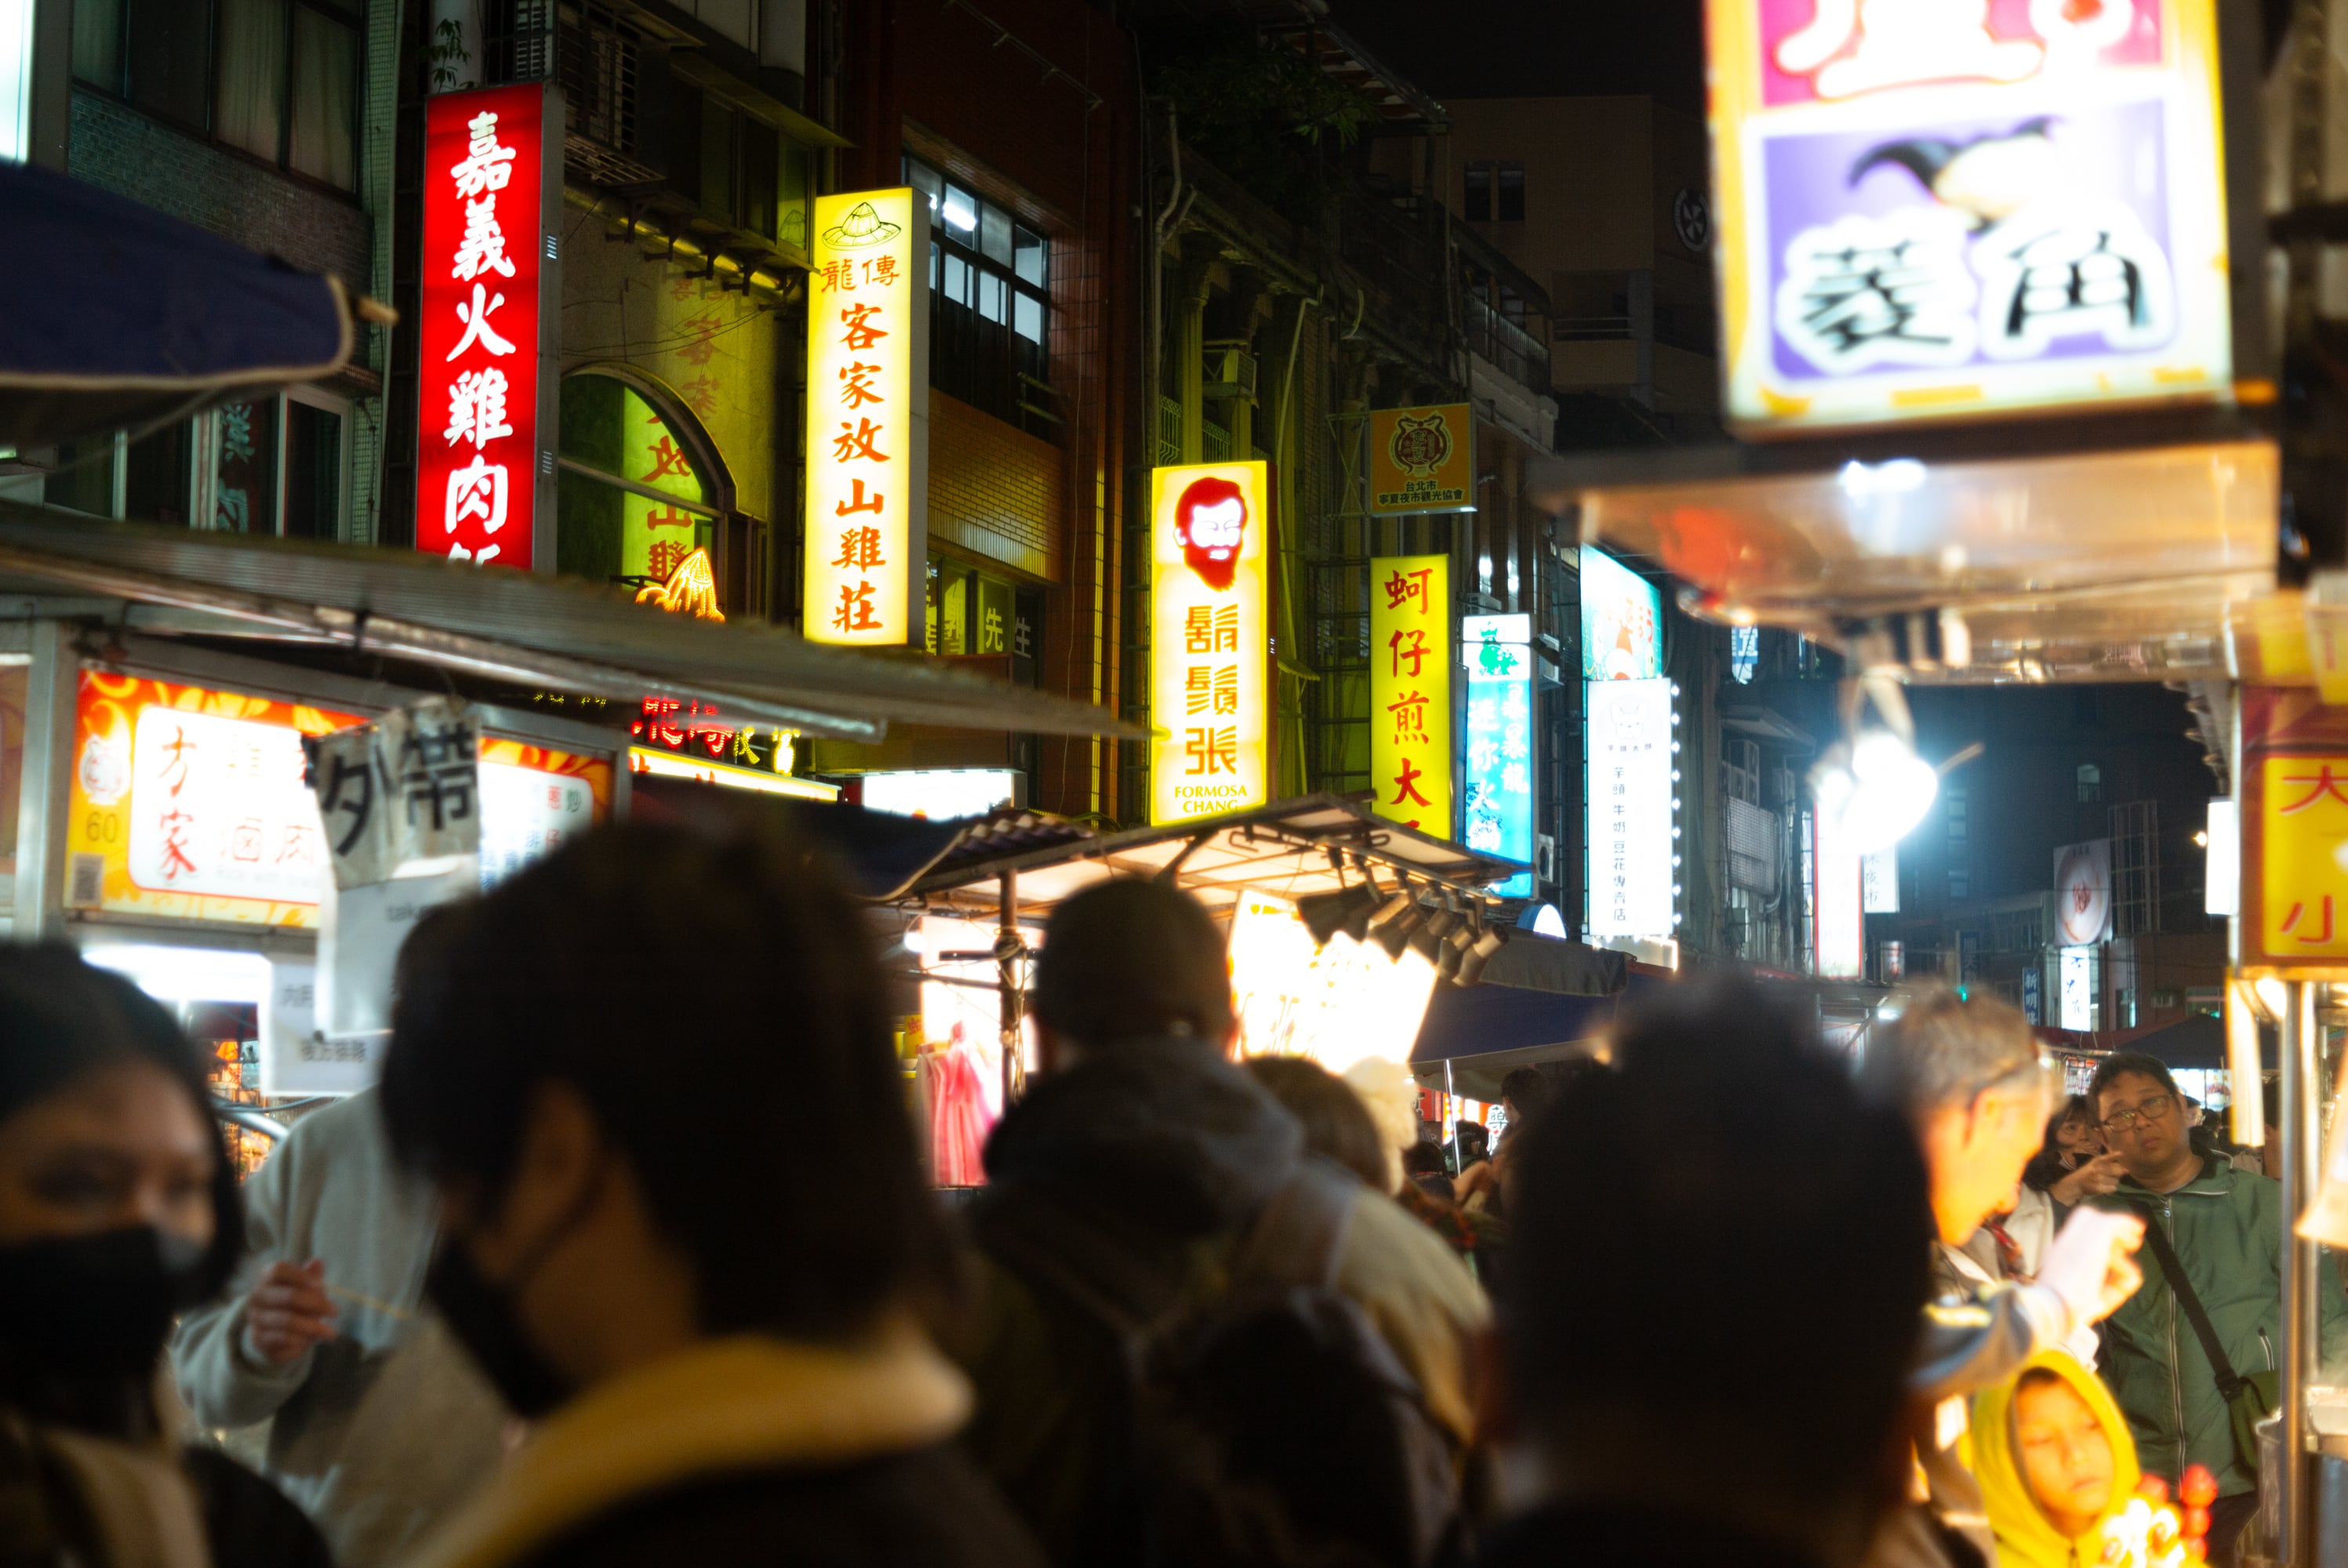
(2172, 1268)
(1297, 1238)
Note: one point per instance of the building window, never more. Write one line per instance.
(1956, 812)
(744, 173)
(971, 614)
(2091, 784)
(276, 79)
(637, 489)
(990, 304)
(1961, 882)
(272, 464)
(1496, 192)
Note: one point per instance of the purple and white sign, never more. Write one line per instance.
(1967, 207)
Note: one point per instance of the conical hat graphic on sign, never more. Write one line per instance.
(862, 228)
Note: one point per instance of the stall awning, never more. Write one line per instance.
(1291, 850)
(2087, 565)
(559, 634)
(121, 315)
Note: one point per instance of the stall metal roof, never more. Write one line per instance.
(561, 634)
(1291, 850)
(2085, 565)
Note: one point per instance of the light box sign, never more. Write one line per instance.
(1211, 649)
(1337, 1004)
(867, 419)
(1621, 621)
(1840, 902)
(191, 803)
(1423, 460)
(489, 305)
(1410, 691)
(1497, 810)
(1955, 210)
(939, 794)
(1629, 727)
(2294, 834)
(693, 739)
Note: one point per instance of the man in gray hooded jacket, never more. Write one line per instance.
(379, 1426)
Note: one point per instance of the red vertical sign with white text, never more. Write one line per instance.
(484, 436)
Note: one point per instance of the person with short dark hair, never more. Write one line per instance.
(1337, 1126)
(1968, 1077)
(722, 1358)
(2225, 1227)
(118, 1212)
(1132, 1172)
(1689, 1387)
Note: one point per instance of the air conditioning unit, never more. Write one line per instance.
(1230, 373)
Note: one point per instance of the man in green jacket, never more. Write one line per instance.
(2226, 1226)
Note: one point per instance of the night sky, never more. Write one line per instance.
(1536, 48)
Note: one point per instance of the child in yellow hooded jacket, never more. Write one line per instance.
(2056, 1463)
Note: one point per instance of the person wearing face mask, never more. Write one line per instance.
(601, 1070)
(118, 1212)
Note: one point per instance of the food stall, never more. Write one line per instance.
(1342, 924)
(2009, 406)
(156, 686)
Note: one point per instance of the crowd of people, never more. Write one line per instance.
(611, 1270)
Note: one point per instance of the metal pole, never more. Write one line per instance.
(2300, 1263)
(1008, 953)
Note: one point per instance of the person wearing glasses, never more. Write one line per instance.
(1968, 1079)
(2225, 1227)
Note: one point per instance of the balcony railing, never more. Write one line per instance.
(1515, 351)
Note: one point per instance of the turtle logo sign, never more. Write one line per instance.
(1422, 459)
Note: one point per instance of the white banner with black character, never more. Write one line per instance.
(400, 804)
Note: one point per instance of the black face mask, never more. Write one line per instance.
(481, 1315)
(97, 1305)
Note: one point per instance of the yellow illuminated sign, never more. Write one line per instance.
(867, 425)
(1410, 691)
(1423, 459)
(1209, 675)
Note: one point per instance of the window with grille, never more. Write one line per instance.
(2091, 784)
(990, 303)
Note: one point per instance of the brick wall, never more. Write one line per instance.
(996, 490)
(127, 153)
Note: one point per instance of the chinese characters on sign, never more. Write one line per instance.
(191, 803)
(2294, 833)
(479, 473)
(403, 789)
(1497, 761)
(867, 417)
(1209, 647)
(1949, 210)
(1423, 460)
(1630, 728)
(1410, 691)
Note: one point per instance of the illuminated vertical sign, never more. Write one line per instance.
(2078, 999)
(1423, 460)
(1879, 881)
(1497, 818)
(1621, 621)
(867, 419)
(1209, 656)
(1629, 727)
(491, 302)
(1410, 691)
(1841, 903)
(1941, 210)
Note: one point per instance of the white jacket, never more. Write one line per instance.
(383, 1431)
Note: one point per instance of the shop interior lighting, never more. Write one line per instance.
(1872, 785)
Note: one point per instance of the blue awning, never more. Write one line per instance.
(121, 317)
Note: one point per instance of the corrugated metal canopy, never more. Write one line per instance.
(1291, 849)
(562, 632)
